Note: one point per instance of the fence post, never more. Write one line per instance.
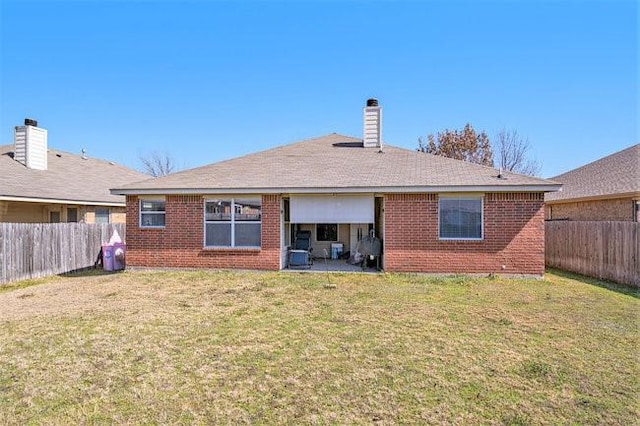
(605, 250)
(35, 250)
(3, 254)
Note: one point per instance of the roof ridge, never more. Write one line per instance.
(322, 163)
(79, 156)
(251, 154)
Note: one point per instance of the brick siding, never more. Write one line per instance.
(614, 209)
(181, 242)
(513, 240)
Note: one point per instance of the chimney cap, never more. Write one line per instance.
(372, 102)
(30, 122)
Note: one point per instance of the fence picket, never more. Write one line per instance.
(605, 250)
(37, 250)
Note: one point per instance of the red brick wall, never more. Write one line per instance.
(180, 243)
(513, 236)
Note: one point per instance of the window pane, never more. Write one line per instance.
(152, 219)
(54, 217)
(247, 210)
(248, 234)
(102, 215)
(152, 206)
(218, 210)
(327, 232)
(218, 234)
(72, 215)
(460, 218)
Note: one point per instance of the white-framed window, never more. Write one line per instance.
(152, 213)
(235, 222)
(460, 217)
(102, 214)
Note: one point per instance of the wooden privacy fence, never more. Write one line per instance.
(605, 250)
(33, 250)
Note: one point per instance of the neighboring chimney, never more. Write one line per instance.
(372, 124)
(31, 145)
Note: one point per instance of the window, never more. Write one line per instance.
(54, 217)
(152, 213)
(327, 232)
(460, 218)
(636, 211)
(233, 223)
(102, 215)
(72, 214)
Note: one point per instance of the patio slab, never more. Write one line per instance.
(331, 265)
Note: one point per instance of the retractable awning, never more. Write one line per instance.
(331, 209)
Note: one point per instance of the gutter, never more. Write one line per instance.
(634, 195)
(61, 201)
(345, 190)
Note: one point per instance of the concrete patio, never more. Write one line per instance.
(330, 265)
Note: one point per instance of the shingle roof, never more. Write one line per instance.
(68, 177)
(334, 163)
(616, 174)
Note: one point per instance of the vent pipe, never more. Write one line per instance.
(372, 137)
(30, 145)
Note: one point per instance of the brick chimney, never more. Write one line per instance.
(372, 137)
(30, 145)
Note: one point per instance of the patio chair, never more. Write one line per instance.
(370, 248)
(300, 254)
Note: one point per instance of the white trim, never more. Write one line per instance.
(232, 222)
(164, 213)
(283, 252)
(593, 198)
(204, 222)
(463, 197)
(345, 190)
(60, 201)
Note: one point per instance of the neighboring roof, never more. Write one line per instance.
(337, 163)
(616, 175)
(68, 178)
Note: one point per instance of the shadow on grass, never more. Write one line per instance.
(78, 273)
(609, 285)
(87, 272)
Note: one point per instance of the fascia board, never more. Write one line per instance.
(344, 190)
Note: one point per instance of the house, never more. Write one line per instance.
(38, 184)
(607, 189)
(432, 214)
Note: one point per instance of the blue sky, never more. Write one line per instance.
(206, 81)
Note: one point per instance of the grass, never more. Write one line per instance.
(281, 348)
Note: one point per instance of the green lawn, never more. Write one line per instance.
(294, 348)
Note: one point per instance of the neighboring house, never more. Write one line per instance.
(607, 189)
(433, 214)
(38, 184)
